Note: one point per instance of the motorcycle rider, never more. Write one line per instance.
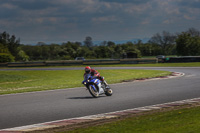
(96, 74)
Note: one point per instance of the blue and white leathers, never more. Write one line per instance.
(95, 87)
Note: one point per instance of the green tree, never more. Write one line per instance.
(188, 44)
(5, 55)
(165, 40)
(111, 48)
(102, 52)
(193, 32)
(55, 51)
(110, 44)
(88, 42)
(130, 49)
(118, 51)
(10, 42)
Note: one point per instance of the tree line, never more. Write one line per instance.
(186, 43)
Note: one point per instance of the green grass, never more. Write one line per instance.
(28, 81)
(177, 121)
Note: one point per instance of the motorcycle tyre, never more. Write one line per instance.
(109, 92)
(94, 94)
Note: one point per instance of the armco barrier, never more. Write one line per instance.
(138, 61)
(182, 59)
(102, 62)
(78, 62)
(3, 64)
(64, 63)
(25, 64)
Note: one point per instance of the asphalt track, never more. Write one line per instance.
(37, 107)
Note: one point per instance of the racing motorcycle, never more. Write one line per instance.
(95, 86)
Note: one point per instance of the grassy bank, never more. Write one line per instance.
(179, 121)
(28, 81)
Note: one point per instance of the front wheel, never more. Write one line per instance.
(109, 92)
(93, 91)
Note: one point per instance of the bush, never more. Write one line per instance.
(67, 57)
(22, 56)
(6, 57)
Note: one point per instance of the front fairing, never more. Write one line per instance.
(88, 79)
(94, 82)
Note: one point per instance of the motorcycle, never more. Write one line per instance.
(96, 87)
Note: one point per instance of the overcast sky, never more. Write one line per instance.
(72, 20)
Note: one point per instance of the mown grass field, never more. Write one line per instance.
(177, 121)
(38, 80)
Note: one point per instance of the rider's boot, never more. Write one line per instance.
(106, 84)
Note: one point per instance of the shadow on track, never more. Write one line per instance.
(81, 97)
(87, 97)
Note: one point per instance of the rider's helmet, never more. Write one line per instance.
(87, 69)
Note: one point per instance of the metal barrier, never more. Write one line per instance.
(25, 64)
(78, 62)
(138, 61)
(64, 63)
(182, 59)
(101, 62)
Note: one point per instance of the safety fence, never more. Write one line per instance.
(79, 62)
(182, 59)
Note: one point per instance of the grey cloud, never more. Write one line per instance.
(45, 20)
(191, 3)
(8, 11)
(32, 4)
(126, 1)
(6, 14)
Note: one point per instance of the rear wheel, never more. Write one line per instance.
(93, 91)
(109, 92)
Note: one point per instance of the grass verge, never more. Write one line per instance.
(29, 81)
(180, 121)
